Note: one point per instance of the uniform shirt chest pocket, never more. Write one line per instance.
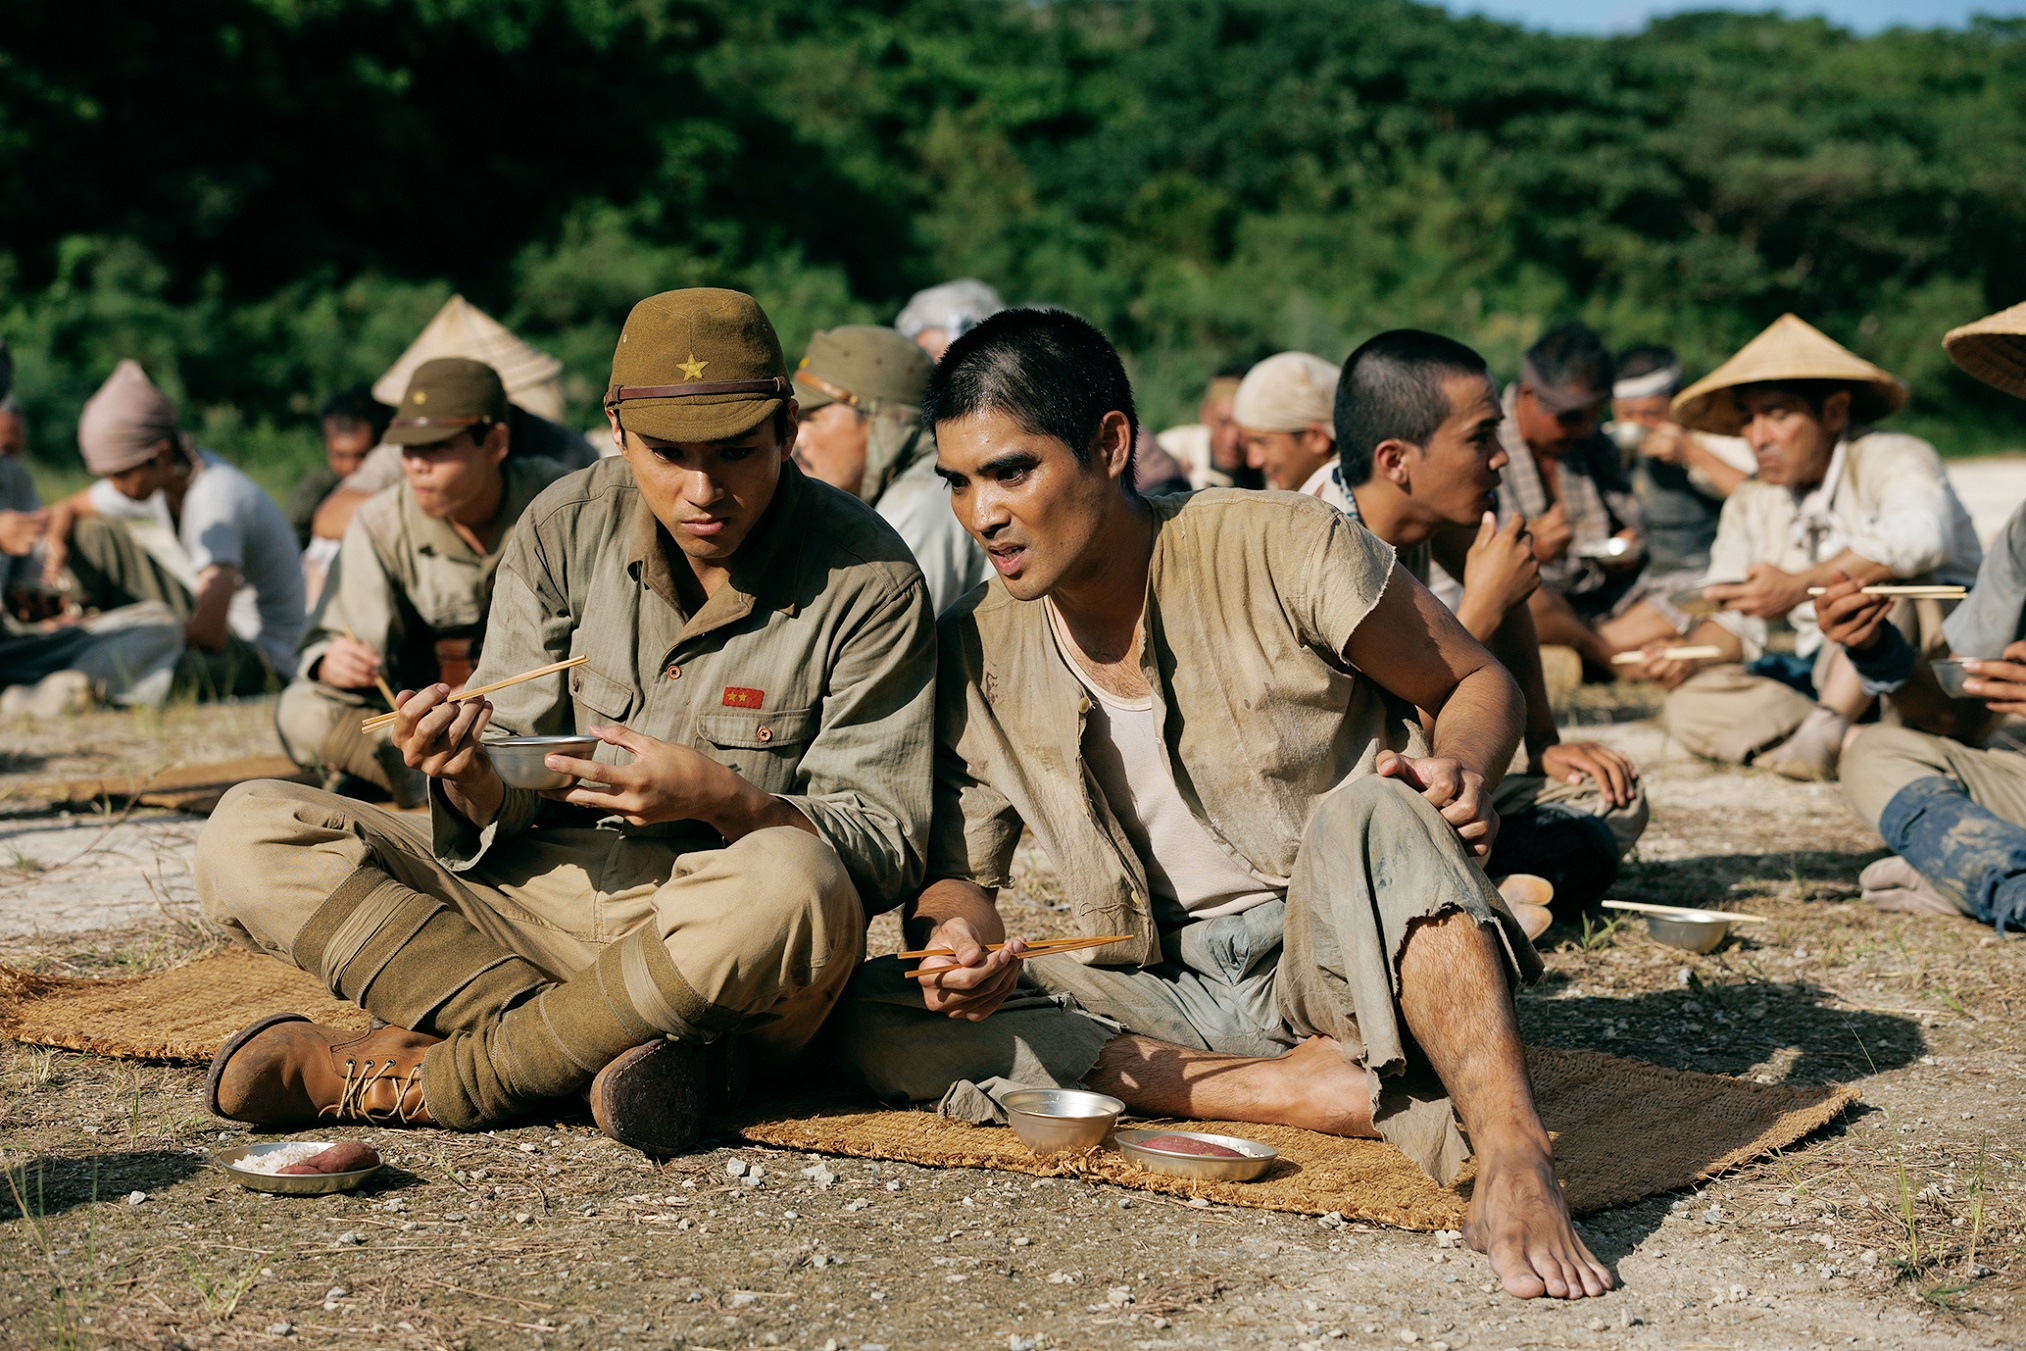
(599, 697)
(765, 746)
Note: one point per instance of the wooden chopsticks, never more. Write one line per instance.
(387, 719)
(386, 690)
(1909, 591)
(1677, 911)
(1693, 652)
(1043, 947)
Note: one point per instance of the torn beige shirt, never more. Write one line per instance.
(1251, 600)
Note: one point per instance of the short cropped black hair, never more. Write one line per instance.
(1571, 356)
(1049, 370)
(349, 408)
(1391, 390)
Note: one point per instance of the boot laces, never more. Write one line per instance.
(351, 1103)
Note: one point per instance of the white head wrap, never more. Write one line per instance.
(1287, 393)
(956, 307)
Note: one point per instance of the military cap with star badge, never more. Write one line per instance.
(701, 364)
(447, 396)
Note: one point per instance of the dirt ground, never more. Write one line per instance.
(1900, 1226)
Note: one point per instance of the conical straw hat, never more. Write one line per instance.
(1993, 349)
(1790, 349)
(462, 329)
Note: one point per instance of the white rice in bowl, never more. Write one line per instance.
(283, 1156)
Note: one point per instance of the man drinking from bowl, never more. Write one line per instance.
(760, 674)
(1203, 707)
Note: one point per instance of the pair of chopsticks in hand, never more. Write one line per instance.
(387, 719)
(1041, 947)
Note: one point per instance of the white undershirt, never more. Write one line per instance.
(1189, 873)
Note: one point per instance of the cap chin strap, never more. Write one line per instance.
(777, 385)
(837, 392)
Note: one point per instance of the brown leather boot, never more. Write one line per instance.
(287, 1070)
(652, 1098)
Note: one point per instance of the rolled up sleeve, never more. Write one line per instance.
(865, 773)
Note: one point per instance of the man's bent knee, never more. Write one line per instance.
(797, 879)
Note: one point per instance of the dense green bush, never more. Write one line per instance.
(263, 199)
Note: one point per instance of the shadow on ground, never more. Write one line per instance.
(53, 1184)
(1820, 874)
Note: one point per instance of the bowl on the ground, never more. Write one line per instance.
(289, 1184)
(1050, 1120)
(519, 759)
(1693, 930)
(1254, 1158)
(1950, 675)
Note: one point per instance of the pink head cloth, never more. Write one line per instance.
(124, 423)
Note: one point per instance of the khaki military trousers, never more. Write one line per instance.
(319, 730)
(1376, 857)
(1727, 713)
(765, 932)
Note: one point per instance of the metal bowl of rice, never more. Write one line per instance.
(255, 1167)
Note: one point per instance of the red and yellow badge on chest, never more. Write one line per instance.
(741, 696)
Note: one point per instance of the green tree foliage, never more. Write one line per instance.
(263, 199)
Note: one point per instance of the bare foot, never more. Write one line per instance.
(1322, 1091)
(1519, 1220)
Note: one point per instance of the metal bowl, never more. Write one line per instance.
(1204, 1167)
(518, 759)
(1694, 930)
(1050, 1120)
(1950, 675)
(290, 1184)
(1692, 602)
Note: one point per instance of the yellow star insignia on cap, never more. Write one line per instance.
(692, 369)
(421, 396)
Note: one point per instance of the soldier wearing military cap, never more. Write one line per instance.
(758, 677)
(405, 602)
(860, 391)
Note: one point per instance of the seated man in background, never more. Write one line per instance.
(1832, 496)
(1681, 479)
(1568, 481)
(217, 552)
(1417, 419)
(1309, 937)
(759, 670)
(860, 429)
(1208, 448)
(406, 602)
(1285, 410)
(1947, 789)
(351, 423)
(22, 521)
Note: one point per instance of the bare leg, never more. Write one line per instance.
(1555, 621)
(1638, 626)
(1843, 689)
(1312, 1086)
(1453, 997)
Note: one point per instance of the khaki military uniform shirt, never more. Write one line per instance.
(811, 672)
(1251, 600)
(402, 579)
